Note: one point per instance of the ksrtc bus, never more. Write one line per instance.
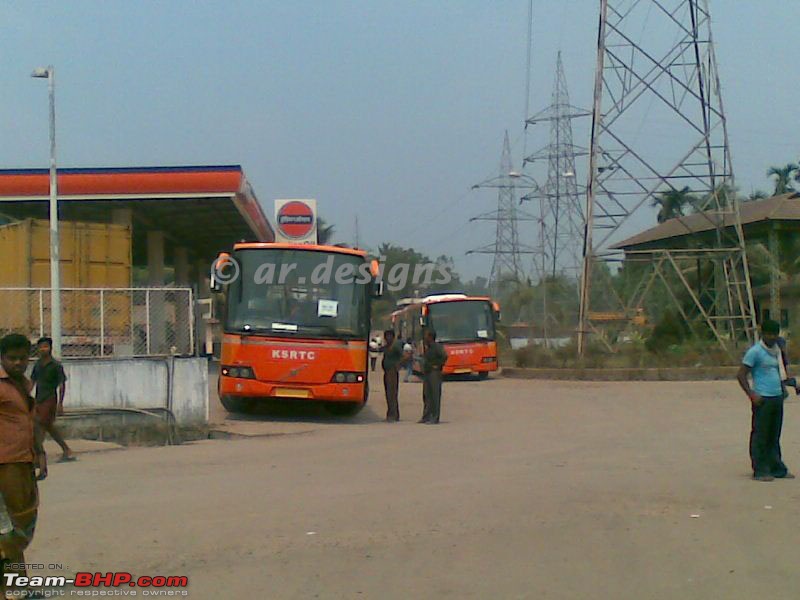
(294, 327)
(465, 325)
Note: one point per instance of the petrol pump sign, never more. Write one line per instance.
(296, 221)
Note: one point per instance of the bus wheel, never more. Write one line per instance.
(236, 405)
(344, 409)
(483, 375)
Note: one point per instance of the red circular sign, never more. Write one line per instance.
(295, 219)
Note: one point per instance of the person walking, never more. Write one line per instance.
(374, 352)
(51, 381)
(433, 361)
(408, 350)
(764, 363)
(21, 456)
(393, 358)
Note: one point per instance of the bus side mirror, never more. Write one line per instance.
(497, 316)
(423, 320)
(377, 281)
(217, 268)
(496, 308)
(214, 283)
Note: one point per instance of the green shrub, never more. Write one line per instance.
(671, 330)
(533, 356)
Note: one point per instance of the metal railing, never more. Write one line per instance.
(106, 322)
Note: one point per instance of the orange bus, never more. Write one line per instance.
(291, 333)
(465, 325)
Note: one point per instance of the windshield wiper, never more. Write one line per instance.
(250, 329)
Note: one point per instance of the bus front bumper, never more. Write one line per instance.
(473, 369)
(326, 392)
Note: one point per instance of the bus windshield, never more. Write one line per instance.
(462, 321)
(262, 301)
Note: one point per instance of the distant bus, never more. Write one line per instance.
(465, 325)
(293, 337)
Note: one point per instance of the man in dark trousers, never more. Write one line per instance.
(393, 358)
(433, 360)
(764, 363)
(51, 382)
(21, 455)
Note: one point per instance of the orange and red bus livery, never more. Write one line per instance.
(296, 337)
(465, 325)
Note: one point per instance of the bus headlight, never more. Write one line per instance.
(238, 372)
(348, 377)
(489, 359)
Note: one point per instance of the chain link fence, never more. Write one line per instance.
(106, 322)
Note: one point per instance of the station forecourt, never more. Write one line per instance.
(179, 217)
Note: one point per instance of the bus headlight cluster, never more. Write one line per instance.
(489, 359)
(239, 372)
(348, 377)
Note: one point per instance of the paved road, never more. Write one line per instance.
(526, 490)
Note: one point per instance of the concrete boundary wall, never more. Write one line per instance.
(178, 384)
(674, 374)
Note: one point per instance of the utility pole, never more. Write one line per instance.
(543, 281)
(668, 82)
(506, 249)
(563, 210)
(55, 261)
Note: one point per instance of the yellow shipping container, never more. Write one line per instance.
(93, 255)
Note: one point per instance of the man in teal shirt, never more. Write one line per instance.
(764, 363)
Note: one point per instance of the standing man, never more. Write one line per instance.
(392, 359)
(432, 362)
(21, 453)
(764, 362)
(51, 384)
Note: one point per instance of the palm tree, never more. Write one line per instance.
(671, 204)
(756, 195)
(324, 232)
(783, 177)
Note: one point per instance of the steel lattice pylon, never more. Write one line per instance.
(561, 204)
(506, 249)
(658, 125)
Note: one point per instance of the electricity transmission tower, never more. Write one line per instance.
(561, 210)
(506, 248)
(658, 126)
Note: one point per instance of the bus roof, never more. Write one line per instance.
(311, 247)
(433, 299)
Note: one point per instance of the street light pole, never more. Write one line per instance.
(55, 271)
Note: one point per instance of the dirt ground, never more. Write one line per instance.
(527, 489)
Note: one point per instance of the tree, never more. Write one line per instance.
(673, 203)
(783, 177)
(324, 232)
(407, 272)
(477, 287)
(518, 299)
(756, 195)
(723, 196)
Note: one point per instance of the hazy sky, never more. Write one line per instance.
(385, 110)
